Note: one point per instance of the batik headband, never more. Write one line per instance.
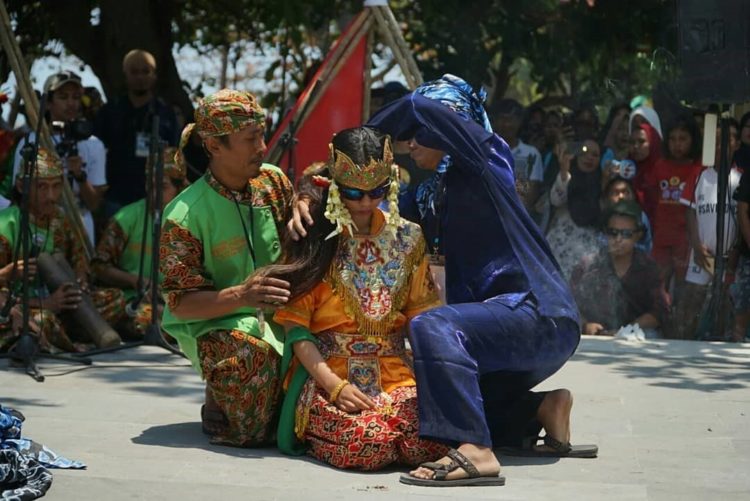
(47, 165)
(223, 113)
(174, 167)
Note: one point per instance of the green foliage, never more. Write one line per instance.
(536, 49)
(601, 53)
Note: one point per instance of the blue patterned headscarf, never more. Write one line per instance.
(459, 96)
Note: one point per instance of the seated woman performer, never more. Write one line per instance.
(357, 281)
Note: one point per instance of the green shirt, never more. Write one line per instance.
(51, 234)
(204, 246)
(120, 244)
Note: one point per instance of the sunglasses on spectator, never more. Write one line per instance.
(356, 194)
(614, 233)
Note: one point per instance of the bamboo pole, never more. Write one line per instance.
(390, 40)
(399, 37)
(367, 76)
(15, 105)
(31, 104)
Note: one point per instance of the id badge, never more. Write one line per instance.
(141, 145)
(437, 269)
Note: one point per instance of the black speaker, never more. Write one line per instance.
(714, 47)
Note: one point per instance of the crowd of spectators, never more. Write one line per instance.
(629, 209)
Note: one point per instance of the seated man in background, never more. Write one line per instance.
(51, 232)
(117, 262)
(620, 285)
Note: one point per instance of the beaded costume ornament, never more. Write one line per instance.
(346, 172)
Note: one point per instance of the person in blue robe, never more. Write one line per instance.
(511, 320)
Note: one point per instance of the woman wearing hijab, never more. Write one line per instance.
(575, 196)
(644, 114)
(646, 151)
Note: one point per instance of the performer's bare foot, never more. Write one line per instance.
(554, 414)
(482, 457)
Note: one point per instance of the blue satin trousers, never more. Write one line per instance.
(476, 362)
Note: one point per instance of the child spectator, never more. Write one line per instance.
(527, 160)
(619, 189)
(645, 115)
(616, 125)
(670, 175)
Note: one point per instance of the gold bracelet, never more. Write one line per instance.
(337, 390)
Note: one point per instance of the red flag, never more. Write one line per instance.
(339, 107)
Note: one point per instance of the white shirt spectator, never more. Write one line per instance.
(94, 158)
(527, 163)
(704, 200)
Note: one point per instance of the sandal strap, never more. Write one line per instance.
(557, 445)
(440, 470)
(463, 462)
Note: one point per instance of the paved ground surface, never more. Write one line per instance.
(671, 420)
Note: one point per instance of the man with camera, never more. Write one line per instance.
(83, 154)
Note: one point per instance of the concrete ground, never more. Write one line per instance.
(671, 420)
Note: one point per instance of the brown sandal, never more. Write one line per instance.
(441, 471)
(559, 449)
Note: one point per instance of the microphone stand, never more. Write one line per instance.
(26, 349)
(713, 309)
(154, 199)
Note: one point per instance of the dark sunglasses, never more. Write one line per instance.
(357, 194)
(614, 233)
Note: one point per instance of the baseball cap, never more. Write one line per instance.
(57, 80)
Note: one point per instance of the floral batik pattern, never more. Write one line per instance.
(270, 188)
(111, 245)
(181, 263)
(242, 373)
(110, 303)
(48, 331)
(370, 439)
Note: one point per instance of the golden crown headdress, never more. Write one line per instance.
(364, 177)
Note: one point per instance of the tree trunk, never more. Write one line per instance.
(501, 81)
(123, 26)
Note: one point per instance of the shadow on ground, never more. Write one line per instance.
(687, 366)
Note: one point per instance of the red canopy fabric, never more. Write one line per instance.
(339, 107)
